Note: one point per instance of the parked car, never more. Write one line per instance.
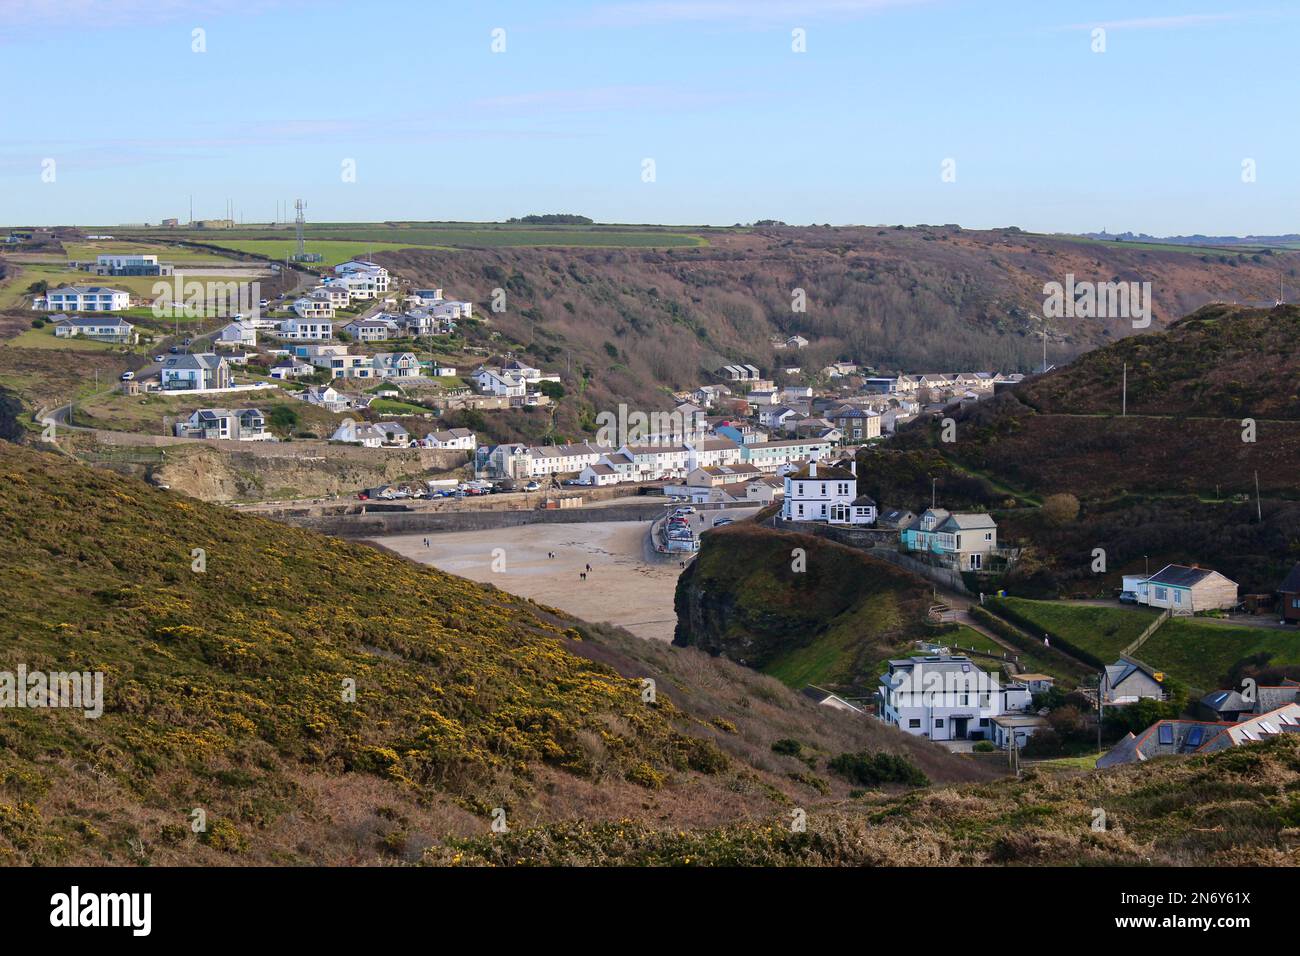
(127, 376)
(175, 350)
(532, 486)
(160, 359)
(719, 522)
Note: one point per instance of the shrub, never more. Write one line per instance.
(1060, 509)
(787, 746)
(984, 747)
(870, 769)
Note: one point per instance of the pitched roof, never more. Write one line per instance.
(1179, 576)
(1291, 583)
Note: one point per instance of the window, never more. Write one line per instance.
(939, 722)
(1161, 594)
(1178, 597)
(984, 721)
(1166, 733)
(915, 722)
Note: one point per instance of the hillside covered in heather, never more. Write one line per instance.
(329, 703)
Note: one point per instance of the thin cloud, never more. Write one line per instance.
(1159, 23)
(602, 99)
(750, 12)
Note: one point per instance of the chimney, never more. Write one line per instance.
(812, 468)
(853, 466)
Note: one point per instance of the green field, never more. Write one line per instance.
(1101, 631)
(334, 250)
(391, 406)
(1201, 653)
(1194, 651)
(83, 251)
(445, 235)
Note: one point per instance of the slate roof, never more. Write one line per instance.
(1291, 583)
(1180, 576)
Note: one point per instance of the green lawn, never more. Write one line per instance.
(391, 406)
(1100, 631)
(45, 338)
(334, 251)
(1200, 654)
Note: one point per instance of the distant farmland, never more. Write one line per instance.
(340, 241)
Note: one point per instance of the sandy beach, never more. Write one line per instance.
(626, 585)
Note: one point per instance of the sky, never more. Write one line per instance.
(1178, 119)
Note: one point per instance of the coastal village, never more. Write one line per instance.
(784, 438)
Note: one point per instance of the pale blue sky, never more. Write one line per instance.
(1046, 134)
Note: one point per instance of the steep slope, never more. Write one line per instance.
(324, 702)
(801, 608)
(1234, 808)
(625, 324)
(1212, 410)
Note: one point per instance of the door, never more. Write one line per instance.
(959, 727)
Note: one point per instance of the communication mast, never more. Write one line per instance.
(302, 255)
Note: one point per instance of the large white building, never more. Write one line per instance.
(306, 329)
(946, 698)
(84, 298)
(827, 493)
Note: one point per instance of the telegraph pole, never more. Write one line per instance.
(1124, 407)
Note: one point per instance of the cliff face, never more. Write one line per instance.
(801, 608)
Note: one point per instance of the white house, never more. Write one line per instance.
(307, 328)
(236, 334)
(326, 397)
(240, 424)
(335, 291)
(86, 298)
(547, 460)
(101, 330)
(1182, 589)
(376, 275)
(290, 368)
(599, 475)
(826, 493)
(711, 452)
(946, 698)
(381, 435)
(317, 305)
(495, 382)
(452, 438)
(371, 330)
(651, 462)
